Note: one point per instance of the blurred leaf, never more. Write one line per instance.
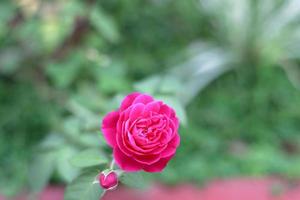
(66, 171)
(134, 180)
(52, 31)
(149, 85)
(112, 78)
(159, 84)
(10, 60)
(40, 170)
(72, 126)
(92, 139)
(170, 85)
(104, 24)
(84, 118)
(206, 63)
(6, 11)
(52, 141)
(87, 97)
(80, 110)
(88, 158)
(63, 74)
(293, 73)
(83, 188)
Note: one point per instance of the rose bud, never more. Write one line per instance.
(142, 132)
(108, 180)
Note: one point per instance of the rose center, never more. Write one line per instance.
(150, 128)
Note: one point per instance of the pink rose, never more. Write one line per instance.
(143, 133)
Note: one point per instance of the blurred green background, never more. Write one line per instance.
(230, 68)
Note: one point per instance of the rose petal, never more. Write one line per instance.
(143, 98)
(128, 100)
(126, 163)
(152, 107)
(147, 159)
(109, 130)
(158, 166)
(171, 149)
(165, 109)
(126, 148)
(159, 149)
(110, 120)
(129, 150)
(131, 142)
(136, 111)
(175, 122)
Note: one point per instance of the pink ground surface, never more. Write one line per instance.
(229, 189)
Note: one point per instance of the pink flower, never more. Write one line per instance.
(143, 133)
(108, 180)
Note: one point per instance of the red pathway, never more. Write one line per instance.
(229, 189)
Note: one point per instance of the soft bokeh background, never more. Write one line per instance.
(230, 68)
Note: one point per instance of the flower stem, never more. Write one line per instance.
(112, 164)
(103, 193)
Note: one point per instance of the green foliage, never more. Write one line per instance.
(104, 24)
(24, 118)
(88, 158)
(229, 68)
(240, 127)
(41, 170)
(84, 188)
(135, 180)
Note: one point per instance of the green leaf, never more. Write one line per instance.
(87, 158)
(105, 25)
(52, 141)
(112, 78)
(170, 85)
(40, 171)
(64, 168)
(159, 84)
(149, 85)
(92, 139)
(83, 188)
(134, 180)
(71, 126)
(63, 74)
(10, 60)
